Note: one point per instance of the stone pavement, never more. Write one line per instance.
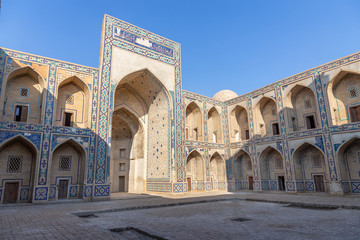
(60, 220)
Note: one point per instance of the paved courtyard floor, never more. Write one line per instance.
(216, 215)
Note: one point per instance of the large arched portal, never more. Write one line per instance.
(140, 124)
(243, 173)
(127, 152)
(17, 170)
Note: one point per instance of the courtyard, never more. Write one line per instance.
(221, 215)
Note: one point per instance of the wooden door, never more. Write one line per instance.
(319, 183)
(188, 180)
(63, 189)
(251, 183)
(11, 192)
(212, 184)
(281, 180)
(121, 184)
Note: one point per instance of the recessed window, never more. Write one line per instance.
(354, 113)
(24, 92)
(196, 134)
(14, 163)
(70, 99)
(358, 155)
(353, 92)
(122, 166)
(21, 113)
(275, 128)
(273, 112)
(65, 163)
(68, 119)
(247, 134)
(316, 161)
(188, 167)
(307, 104)
(122, 153)
(310, 122)
(186, 133)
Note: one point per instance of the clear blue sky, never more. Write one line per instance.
(237, 45)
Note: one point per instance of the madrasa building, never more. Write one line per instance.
(71, 131)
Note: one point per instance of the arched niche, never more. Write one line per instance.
(243, 171)
(193, 123)
(349, 161)
(17, 170)
(217, 171)
(344, 100)
(267, 122)
(302, 109)
(239, 124)
(214, 126)
(72, 103)
(67, 170)
(195, 170)
(272, 170)
(146, 98)
(310, 168)
(127, 152)
(23, 96)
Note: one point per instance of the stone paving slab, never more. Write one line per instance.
(57, 221)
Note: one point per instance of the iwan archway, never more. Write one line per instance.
(139, 133)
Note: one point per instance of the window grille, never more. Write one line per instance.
(278, 163)
(70, 99)
(14, 163)
(307, 104)
(353, 92)
(65, 163)
(24, 92)
(316, 161)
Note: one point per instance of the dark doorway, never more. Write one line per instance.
(319, 183)
(251, 183)
(63, 189)
(275, 128)
(281, 181)
(21, 113)
(188, 180)
(121, 184)
(68, 121)
(310, 122)
(11, 192)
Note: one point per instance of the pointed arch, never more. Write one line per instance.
(72, 101)
(214, 125)
(344, 98)
(195, 167)
(239, 124)
(272, 169)
(267, 122)
(301, 107)
(310, 167)
(217, 168)
(18, 161)
(348, 157)
(193, 122)
(67, 170)
(25, 86)
(243, 170)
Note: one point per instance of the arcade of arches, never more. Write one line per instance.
(69, 131)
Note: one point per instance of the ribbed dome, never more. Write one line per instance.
(224, 95)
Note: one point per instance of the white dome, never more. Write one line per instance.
(224, 95)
